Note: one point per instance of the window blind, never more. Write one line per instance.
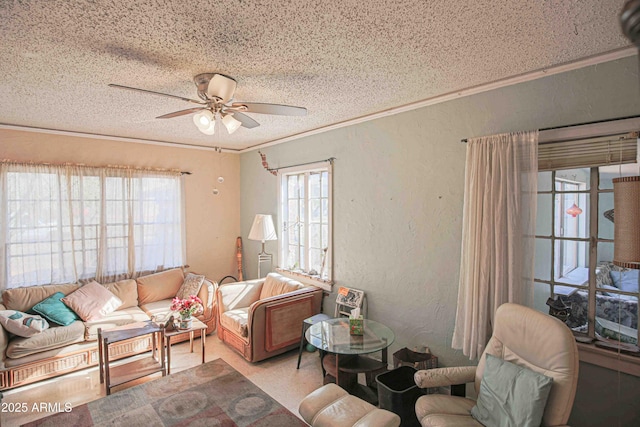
(589, 152)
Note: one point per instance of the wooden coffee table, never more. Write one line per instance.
(113, 376)
(195, 326)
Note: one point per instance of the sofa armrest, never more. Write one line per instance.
(275, 322)
(238, 295)
(440, 377)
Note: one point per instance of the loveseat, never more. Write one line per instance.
(61, 349)
(262, 318)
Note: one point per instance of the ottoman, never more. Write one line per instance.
(331, 406)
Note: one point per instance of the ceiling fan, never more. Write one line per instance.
(216, 93)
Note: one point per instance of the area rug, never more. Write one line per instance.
(213, 394)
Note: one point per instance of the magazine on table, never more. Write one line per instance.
(350, 297)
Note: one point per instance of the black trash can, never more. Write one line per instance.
(398, 392)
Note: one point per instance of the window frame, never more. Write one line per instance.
(589, 352)
(283, 242)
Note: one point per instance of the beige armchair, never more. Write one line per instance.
(521, 336)
(261, 318)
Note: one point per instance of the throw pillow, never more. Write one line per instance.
(511, 395)
(92, 301)
(625, 279)
(22, 324)
(190, 286)
(54, 310)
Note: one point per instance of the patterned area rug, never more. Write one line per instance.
(213, 394)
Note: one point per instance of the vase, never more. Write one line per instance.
(186, 321)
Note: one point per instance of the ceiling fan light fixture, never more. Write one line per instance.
(203, 119)
(209, 130)
(231, 123)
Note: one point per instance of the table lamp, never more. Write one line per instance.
(262, 230)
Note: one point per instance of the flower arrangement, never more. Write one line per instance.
(187, 307)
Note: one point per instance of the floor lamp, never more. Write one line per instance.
(262, 230)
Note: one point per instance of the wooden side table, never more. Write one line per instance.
(196, 325)
(117, 375)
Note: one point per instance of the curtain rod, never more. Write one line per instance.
(330, 159)
(577, 124)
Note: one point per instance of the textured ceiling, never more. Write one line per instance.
(341, 59)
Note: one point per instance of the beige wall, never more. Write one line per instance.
(212, 221)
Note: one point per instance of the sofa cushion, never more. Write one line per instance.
(22, 299)
(236, 321)
(111, 320)
(159, 286)
(92, 301)
(157, 307)
(191, 286)
(22, 324)
(54, 310)
(277, 284)
(54, 337)
(126, 290)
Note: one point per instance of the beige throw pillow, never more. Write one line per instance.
(191, 286)
(92, 301)
(22, 324)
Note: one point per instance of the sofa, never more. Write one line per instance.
(262, 318)
(611, 308)
(62, 349)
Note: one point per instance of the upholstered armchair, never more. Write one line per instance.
(524, 337)
(262, 318)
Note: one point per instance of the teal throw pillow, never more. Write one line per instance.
(511, 395)
(55, 311)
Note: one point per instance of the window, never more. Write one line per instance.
(305, 221)
(61, 224)
(574, 253)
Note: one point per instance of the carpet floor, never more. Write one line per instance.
(213, 394)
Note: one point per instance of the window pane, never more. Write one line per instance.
(580, 177)
(292, 186)
(571, 263)
(315, 260)
(314, 206)
(608, 173)
(605, 218)
(325, 184)
(570, 222)
(544, 214)
(543, 259)
(541, 293)
(314, 237)
(605, 252)
(616, 317)
(314, 185)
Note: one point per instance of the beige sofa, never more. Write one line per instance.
(62, 349)
(262, 318)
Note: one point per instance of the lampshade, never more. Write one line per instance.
(231, 123)
(203, 119)
(262, 228)
(626, 204)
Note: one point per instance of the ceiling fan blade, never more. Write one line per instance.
(180, 113)
(246, 121)
(261, 108)
(156, 93)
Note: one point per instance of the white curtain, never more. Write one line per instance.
(497, 235)
(68, 223)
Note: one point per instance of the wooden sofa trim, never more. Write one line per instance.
(273, 313)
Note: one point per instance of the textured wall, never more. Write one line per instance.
(212, 222)
(398, 191)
